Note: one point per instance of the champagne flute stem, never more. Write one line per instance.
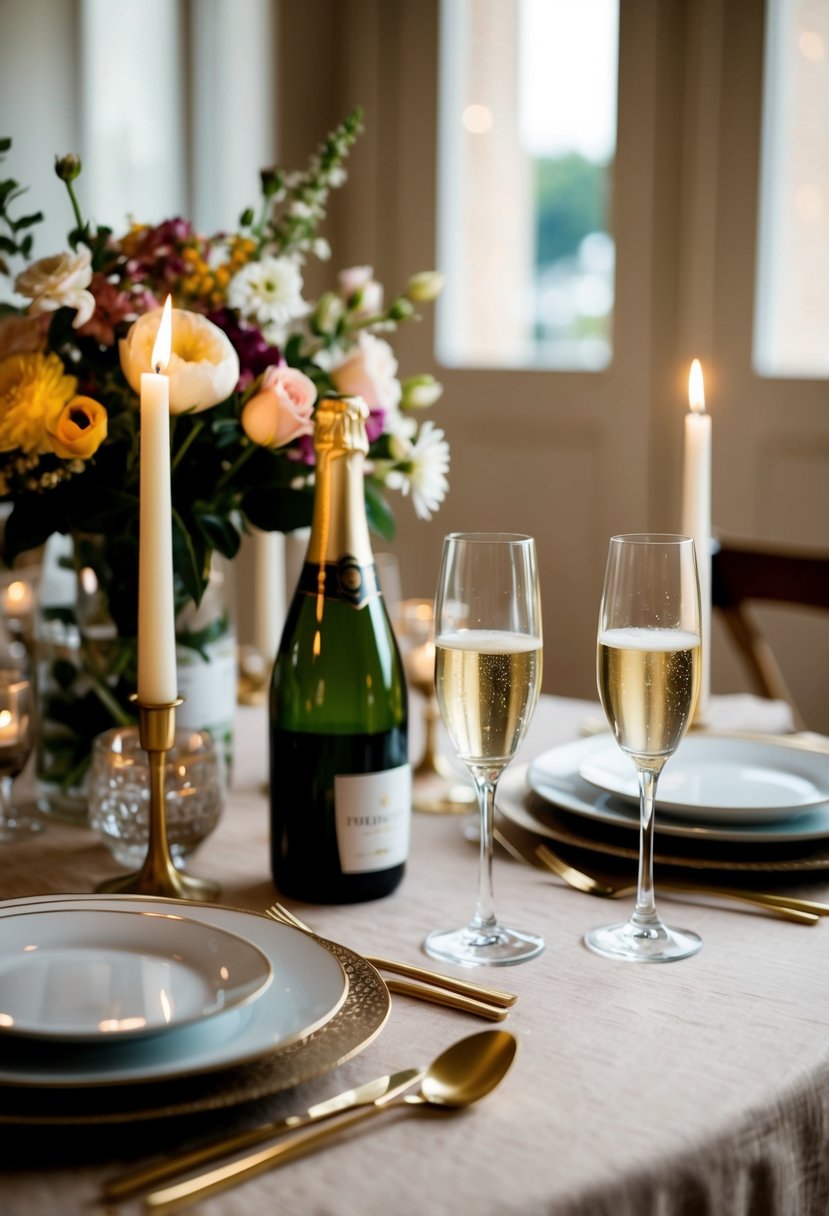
(5, 799)
(645, 910)
(485, 904)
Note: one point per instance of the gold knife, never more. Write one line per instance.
(364, 1095)
(452, 1000)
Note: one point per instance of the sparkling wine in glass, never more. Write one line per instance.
(648, 673)
(15, 748)
(488, 676)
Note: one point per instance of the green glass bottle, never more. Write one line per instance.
(340, 777)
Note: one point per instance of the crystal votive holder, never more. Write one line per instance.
(119, 793)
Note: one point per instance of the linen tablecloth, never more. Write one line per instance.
(699, 1088)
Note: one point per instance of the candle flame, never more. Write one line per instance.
(164, 338)
(5, 717)
(696, 388)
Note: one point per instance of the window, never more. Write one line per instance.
(792, 290)
(527, 140)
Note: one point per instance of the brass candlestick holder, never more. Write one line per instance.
(442, 791)
(158, 875)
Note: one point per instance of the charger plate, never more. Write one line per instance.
(527, 810)
(357, 1021)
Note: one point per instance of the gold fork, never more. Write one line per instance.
(802, 911)
(439, 989)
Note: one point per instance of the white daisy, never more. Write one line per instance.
(423, 470)
(268, 292)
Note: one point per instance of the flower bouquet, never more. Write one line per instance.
(250, 359)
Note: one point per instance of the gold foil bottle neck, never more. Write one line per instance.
(340, 425)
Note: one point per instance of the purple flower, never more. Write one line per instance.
(256, 355)
(374, 424)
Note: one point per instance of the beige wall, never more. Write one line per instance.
(574, 458)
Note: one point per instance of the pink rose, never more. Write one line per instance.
(369, 372)
(282, 410)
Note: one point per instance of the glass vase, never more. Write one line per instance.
(86, 670)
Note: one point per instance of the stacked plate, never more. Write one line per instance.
(721, 801)
(194, 1006)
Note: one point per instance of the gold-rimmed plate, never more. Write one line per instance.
(211, 1074)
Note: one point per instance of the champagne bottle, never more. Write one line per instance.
(340, 777)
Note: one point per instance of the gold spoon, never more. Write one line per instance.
(464, 1073)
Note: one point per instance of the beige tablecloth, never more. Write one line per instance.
(696, 1089)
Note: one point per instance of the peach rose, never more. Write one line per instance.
(282, 410)
(203, 367)
(80, 430)
(369, 372)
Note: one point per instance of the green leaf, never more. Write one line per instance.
(219, 533)
(278, 510)
(292, 349)
(26, 221)
(380, 518)
(200, 639)
(188, 566)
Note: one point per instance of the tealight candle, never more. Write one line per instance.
(696, 515)
(18, 599)
(10, 728)
(157, 683)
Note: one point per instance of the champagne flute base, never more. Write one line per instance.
(643, 943)
(492, 946)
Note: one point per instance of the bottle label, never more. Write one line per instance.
(345, 580)
(373, 817)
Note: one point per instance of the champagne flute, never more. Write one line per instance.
(15, 748)
(488, 676)
(648, 672)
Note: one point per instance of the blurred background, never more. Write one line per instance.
(612, 188)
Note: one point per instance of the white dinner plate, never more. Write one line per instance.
(90, 975)
(727, 780)
(308, 987)
(554, 776)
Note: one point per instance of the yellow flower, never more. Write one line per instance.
(34, 388)
(80, 430)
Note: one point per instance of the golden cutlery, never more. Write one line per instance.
(434, 979)
(442, 996)
(464, 1073)
(352, 1099)
(801, 911)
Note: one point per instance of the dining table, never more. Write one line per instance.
(699, 1088)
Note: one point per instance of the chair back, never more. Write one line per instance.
(742, 574)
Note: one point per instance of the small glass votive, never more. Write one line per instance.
(119, 793)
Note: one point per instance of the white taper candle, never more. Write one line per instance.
(696, 514)
(157, 682)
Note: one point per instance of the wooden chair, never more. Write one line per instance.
(742, 573)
